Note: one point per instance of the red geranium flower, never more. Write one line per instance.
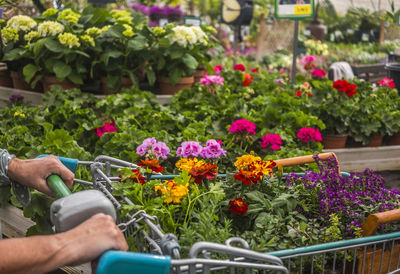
(240, 67)
(238, 206)
(152, 164)
(255, 70)
(387, 82)
(247, 177)
(136, 177)
(248, 79)
(344, 86)
(298, 93)
(206, 170)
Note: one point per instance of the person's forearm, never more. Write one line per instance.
(36, 254)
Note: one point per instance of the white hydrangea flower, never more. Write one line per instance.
(183, 36)
(21, 22)
(50, 28)
(200, 34)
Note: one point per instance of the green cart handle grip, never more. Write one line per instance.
(56, 184)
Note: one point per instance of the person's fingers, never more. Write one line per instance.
(55, 166)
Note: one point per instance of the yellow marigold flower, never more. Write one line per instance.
(32, 35)
(16, 114)
(93, 31)
(22, 115)
(128, 32)
(69, 16)
(9, 34)
(186, 164)
(21, 22)
(50, 28)
(49, 12)
(158, 31)
(88, 39)
(69, 39)
(245, 161)
(172, 192)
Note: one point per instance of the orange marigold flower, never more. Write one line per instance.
(186, 164)
(247, 177)
(263, 167)
(152, 164)
(203, 170)
(172, 192)
(136, 177)
(238, 206)
(245, 161)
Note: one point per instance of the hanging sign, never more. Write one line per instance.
(294, 9)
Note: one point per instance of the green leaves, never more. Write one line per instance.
(29, 72)
(61, 70)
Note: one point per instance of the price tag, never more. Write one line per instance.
(302, 9)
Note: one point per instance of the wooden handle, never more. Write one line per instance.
(374, 220)
(304, 160)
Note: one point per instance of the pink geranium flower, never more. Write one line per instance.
(209, 80)
(255, 70)
(150, 147)
(107, 127)
(307, 59)
(189, 148)
(307, 133)
(319, 73)
(213, 149)
(387, 82)
(217, 69)
(273, 140)
(243, 125)
(240, 67)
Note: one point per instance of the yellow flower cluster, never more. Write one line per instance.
(21, 22)
(69, 39)
(32, 35)
(128, 32)
(49, 12)
(88, 39)
(187, 164)
(158, 31)
(211, 29)
(316, 47)
(122, 16)
(245, 161)
(172, 192)
(50, 28)
(9, 34)
(105, 28)
(93, 31)
(69, 16)
(19, 114)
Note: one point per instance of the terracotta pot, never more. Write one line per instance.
(167, 88)
(334, 141)
(198, 75)
(376, 141)
(125, 83)
(20, 83)
(48, 81)
(394, 140)
(5, 79)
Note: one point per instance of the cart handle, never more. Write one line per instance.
(305, 160)
(374, 220)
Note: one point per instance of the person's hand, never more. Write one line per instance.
(34, 172)
(92, 238)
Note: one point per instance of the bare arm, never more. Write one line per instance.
(40, 254)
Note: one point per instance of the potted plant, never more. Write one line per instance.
(174, 59)
(58, 51)
(333, 103)
(16, 35)
(122, 54)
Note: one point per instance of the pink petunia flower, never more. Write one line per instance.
(273, 140)
(240, 67)
(307, 59)
(243, 125)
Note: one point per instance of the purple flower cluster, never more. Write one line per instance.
(242, 126)
(144, 9)
(150, 147)
(168, 10)
(212, 149)
(352, 198)
(16, 97)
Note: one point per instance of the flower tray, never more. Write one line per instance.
(371, 73)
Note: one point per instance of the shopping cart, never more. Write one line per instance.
(160, 253)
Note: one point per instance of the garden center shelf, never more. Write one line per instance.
(35, 98)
